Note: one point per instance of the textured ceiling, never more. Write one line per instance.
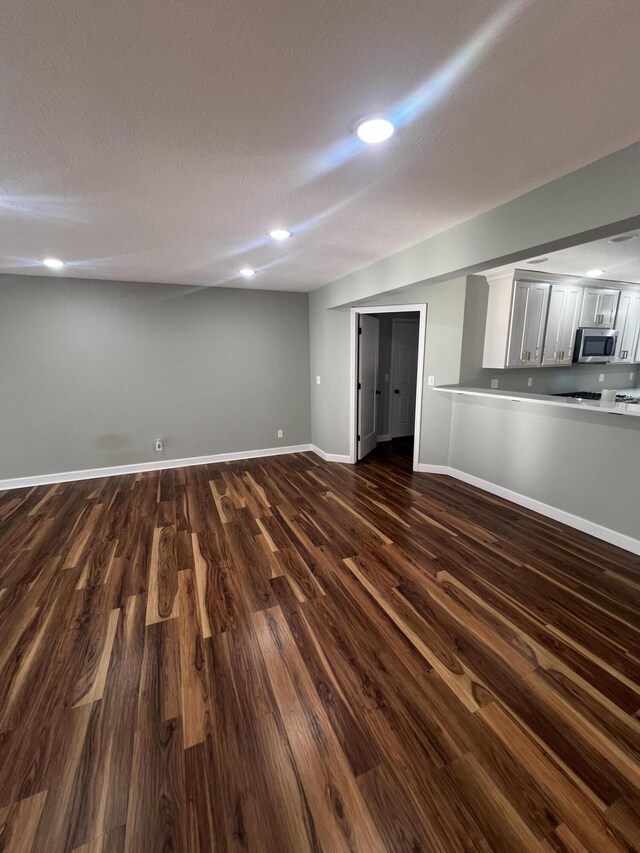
(618, 261)
(158, 140)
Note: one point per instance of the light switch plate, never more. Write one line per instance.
(431, 380)
(317, 380)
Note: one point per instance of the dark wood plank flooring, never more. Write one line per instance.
(288, 655)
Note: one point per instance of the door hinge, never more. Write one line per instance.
(359, 386)
(358, 438)
(359, 330)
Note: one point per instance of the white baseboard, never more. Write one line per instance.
(159, 465)
(331, 457)
(383, 438)
(576, 521)
(433, 469)
(568, 518)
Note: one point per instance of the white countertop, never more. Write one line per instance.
(632, 409)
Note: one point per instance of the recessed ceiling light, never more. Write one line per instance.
(623, 238)
(374, 130)
(53, 263)
(279, 234)
(538, 261)
(594, 273)
(247, 272)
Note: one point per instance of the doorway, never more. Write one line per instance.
(387, 365)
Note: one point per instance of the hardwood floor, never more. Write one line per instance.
(290, 655)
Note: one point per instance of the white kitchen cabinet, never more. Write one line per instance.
(516, 317)
(533, 323)
(565, 306)
(599, 307)
(528, 315)
(628, 325)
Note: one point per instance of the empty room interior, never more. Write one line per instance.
(320, 426)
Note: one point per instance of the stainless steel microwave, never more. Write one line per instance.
(595, 346)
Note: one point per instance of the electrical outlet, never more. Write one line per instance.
(386, 377)
(530, 381)
(317, 380)
(280, 433)
(495, 383)
(431, 380)
(159, 446)
(601, 377)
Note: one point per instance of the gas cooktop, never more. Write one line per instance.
(596, 395)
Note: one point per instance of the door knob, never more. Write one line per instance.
(396, 390)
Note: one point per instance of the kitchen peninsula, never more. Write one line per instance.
(620, 407)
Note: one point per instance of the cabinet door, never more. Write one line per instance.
(528, 315)
(607, 306)
(589, 306)
(599, 307)
(628, 324)
(565, 304)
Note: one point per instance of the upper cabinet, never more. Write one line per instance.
(528, 314)
(599, 307)
(565, 306)
(628, 325)
(533, 323)
(516, 317)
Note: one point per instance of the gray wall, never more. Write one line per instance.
(445, 315)
(330, 340)
(91, 372)
(583, 463)
(598, 200)
(590, 202)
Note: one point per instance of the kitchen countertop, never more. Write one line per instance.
(632, 409)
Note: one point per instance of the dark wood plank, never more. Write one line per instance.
(289, 655)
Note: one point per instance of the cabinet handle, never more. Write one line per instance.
(562, 356)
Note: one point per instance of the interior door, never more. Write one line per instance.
(368, 336)
(404, 372)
